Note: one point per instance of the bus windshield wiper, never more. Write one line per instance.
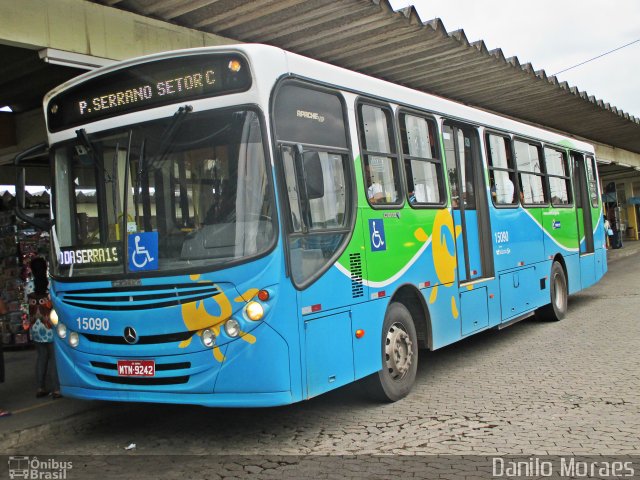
(90, 151)
(169, 134)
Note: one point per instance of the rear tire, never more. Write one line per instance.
(557, 308)
(399, 357)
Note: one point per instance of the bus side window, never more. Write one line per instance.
(558, 175)
(422, 164)
(530, 173)
(382, 178)
(501, 172)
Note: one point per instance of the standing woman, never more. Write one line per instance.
(3, 310)
(42, 329)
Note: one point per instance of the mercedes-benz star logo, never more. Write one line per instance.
(130, 335)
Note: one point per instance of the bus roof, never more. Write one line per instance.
(271, 63)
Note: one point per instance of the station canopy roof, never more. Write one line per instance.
(368, 36)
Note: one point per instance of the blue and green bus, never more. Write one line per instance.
(244, 226)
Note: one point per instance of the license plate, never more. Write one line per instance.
(136, 368)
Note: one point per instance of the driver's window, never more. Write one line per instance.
(316, 175)
(316, 189)
(316, 184)
(288, 159)
(327, 210)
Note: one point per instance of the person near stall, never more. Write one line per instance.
(615, 237)
(608, 231)
(3, 310)
(42, 329)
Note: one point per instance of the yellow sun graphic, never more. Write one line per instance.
(196, 317)
(444, 259)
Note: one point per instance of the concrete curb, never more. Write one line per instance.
(13, 440)
(629, 248)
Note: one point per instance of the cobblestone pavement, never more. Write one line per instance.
(565, 388)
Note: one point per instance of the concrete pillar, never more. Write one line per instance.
(92, 29)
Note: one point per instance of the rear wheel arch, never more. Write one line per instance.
(557, 307)
(560, 259)
(414, 301)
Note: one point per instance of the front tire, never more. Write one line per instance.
(399, 357)
(557, 308)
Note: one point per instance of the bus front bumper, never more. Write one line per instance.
(271, 399)
(243, 374)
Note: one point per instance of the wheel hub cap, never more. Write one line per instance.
(398, 351)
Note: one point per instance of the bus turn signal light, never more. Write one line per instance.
(359, 333)
(263, 295)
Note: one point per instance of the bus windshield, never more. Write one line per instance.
(192, 190)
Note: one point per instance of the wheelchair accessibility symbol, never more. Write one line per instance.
(376, 235)
(143, 251)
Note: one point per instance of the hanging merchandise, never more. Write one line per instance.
(19, 244)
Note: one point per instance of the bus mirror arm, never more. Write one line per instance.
(41, 224)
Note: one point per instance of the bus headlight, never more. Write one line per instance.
(62, 330)
(208, 338)
(74, 339)
(232, 327)
(53, 316)
(255, 311)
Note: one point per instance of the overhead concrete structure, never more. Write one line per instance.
(44, 43)
(369, 37)
(362, 35)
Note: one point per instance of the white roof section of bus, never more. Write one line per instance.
(269, 63)
(332, 75)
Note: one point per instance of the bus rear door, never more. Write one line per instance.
(585, 221)
(471, 218)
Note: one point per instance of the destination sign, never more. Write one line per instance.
(148, 85)
(99, 255)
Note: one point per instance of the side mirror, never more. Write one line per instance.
(21, 213)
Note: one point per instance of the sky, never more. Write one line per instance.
(553, 35)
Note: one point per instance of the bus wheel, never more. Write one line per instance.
(557, 308)
(399, 357)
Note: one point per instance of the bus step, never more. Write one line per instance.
(514, 320)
